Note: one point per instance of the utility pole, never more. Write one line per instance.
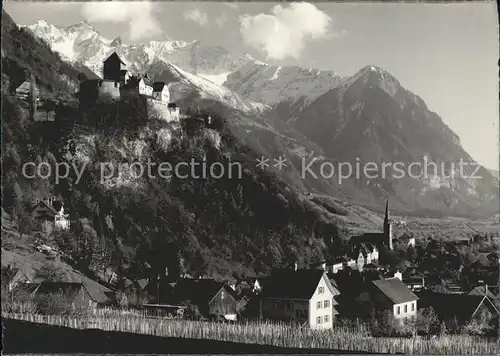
(158, 290)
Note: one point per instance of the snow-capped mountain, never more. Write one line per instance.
(274, 84)
(82, 43)
(183, 84)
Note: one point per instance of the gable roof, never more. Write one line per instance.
(70, 289)
(25, 86)
(290, 284)
(198, 291)
(482, 291)
(43, 203)
(158, 86)
(395, 290)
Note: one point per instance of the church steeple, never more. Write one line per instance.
(387, 227)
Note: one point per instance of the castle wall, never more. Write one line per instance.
(108, 90)
(159, 109)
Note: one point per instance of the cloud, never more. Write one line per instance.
(221, 20)
(195, 15)
(286, 32)
(138, 15)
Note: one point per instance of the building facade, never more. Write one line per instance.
(303, 296)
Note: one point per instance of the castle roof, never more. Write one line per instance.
(158, 86)
(115, 57)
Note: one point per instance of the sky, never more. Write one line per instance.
(445, 53)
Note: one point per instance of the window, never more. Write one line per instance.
(318, 305)
(291, 306)
(276, 305)
(222, 295)
(318, 320)
(398, 310)
(406, 308)
(297, 313)
(321, 290)
(326, 318)
(326, 303)
(413, 306)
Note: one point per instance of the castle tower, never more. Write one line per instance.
(388, 234)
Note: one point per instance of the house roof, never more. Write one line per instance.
(49, 206)
(198, 291)
(158, 86)
(395, 290)
(453, 305)
(291, 284)
(147, 80)
(67, 288)
(482, 291)
(25, 86)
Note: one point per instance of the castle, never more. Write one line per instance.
(118, 83)
(380, 239)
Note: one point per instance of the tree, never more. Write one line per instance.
(52, 271)
(33, 96)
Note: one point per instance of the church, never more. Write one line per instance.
(379, 239)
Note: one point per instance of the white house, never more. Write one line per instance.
(23, 91)
(51, 210)
(161, 92)
(393, 295)
(305, 296)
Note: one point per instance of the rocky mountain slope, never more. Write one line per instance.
(370, 117)
(275, 84)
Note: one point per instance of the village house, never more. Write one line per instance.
(336, 265)
(75, 293)
(462, 308)
(306, 296)
(23, 91)
(414, 281)
(213, 299)
(251, 283)
(407, 240)
(51, 210)
(20, 276)
(393, 296)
